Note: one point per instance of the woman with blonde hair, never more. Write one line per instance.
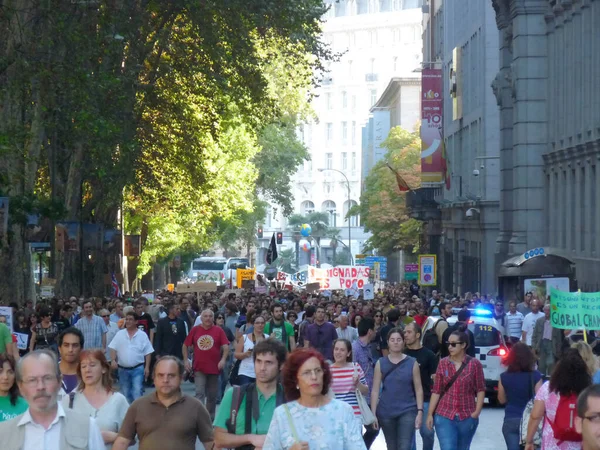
(591, 361)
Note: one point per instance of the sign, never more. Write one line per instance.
(574, 310)
(359, 259)
(260, 289)
(170, 287)
(282, 276)
(411, 272)
(432, 141)
(3, 217)
(244, 275)
(21, 340)
(92, 235)
(313, 287)
(352, 292)
(248, 285)
(427, 270)
(133, 245)
(534, 252)
(6, 311)
(368, 292)
(540, 287)
(341, 277)
(200, 286)
(47, 292)
(299, 277)
(67, 237)
(149, 297)
(374, 261)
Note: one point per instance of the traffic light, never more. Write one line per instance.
(259, 233)
(280, 238)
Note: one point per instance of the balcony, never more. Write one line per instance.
(421, 204)
(371, 77)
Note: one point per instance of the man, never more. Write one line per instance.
(435, 298)
(587, 421)
(112, 328)
(344, 331)
(186, 311)
(393, 317)
(118, 314)
(93, 328)
(309, 318)
(499, 313)
(7, 346)
(170, 333)
(462, 323)
(427, 365)
(404, 319)
(65, 320)
(529, 321)
(321, 335)
(131, 353)
(211, 348)
(231, 316)
(514, 323)
(46, 425)
(256, 401)
(361, 354)
(525, 306)
(145, 322)
(546, 342)
(70, 342)
(166, 419)
(279, 328)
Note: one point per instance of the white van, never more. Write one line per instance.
(490, 347)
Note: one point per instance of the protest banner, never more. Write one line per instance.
(201, 286)
(574, 310)
(313, 287)
(244, 275)
(22, 340)
(340, 277)
(368, 292)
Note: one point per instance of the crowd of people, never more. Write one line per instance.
(286, 370)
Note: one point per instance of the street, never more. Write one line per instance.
(488, 436)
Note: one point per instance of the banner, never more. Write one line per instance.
(133, 245)
(67, 237)
(340, 277)
(244, 275)
(427, 270)
(368, 292)
(3, 217)
(112, 240)
(431, 126)
(574, 310)
(200, 286)
(540, 287)
(93, 235)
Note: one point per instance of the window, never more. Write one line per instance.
(329, 207)
(350, 73)
(307, 207)
(354, 103)
(329, 132)
(353, 160)
(328, 100)
(344, 161)
(373, 96)
(353, 133)
(329, 160)
(344, 100)
(345, 133)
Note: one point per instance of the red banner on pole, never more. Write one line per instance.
(432, 142)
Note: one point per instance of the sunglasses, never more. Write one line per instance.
(106, 315)
(453, 344)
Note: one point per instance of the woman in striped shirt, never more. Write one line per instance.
(347, 376)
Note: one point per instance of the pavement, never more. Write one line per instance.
(488, 435)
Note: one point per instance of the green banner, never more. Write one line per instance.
(575, 310)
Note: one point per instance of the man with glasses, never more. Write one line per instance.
(112, 328)
(346, 332)
(499, 313)
(587, 421)
(46, 425)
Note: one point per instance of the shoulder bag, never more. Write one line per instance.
(537, 437)
(291, 424)
(365, 412)
(452, 380)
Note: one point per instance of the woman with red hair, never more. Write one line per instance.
(95, 396)
(311, 420)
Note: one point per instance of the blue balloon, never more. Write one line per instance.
(305, 230)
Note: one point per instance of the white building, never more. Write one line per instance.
(378, 40)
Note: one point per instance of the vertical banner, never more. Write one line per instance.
(93, 235)
(67, 236)
(432, 164)
(427, 270)
(133, 244)
(3, 217)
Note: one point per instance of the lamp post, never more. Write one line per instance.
(349, 224)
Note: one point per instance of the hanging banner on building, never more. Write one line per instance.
(431, 126)
(427, 270)
(575, 310)
(340, 277)
(93, 235)
(133, 245)
(3, 217)
(112, 240)
(67, 237)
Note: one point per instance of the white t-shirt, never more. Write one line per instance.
(247, 364)
(529, 324)
(131, 352)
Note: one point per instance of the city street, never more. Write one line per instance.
(488, 436)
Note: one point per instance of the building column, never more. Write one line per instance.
(553, 225)
(588, 235)
(569, 244)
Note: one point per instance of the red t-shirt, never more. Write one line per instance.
(207, 348)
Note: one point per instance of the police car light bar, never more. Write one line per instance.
(480, 312)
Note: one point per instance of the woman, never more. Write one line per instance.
(311, 420)
(291, 318)
(587, 354)
(399, 412)
(244, 349)
(95, 396)
(356, 320)
(450, 389)
(421, 315)
(45, 333)
(347, 376)
(220, 322)
(569, 377)
(224, 375)
(516, 387)
(11, 403)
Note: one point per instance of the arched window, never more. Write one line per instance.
(307, 207)
(329, 207)
(354, 220)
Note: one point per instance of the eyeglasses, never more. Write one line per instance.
(106, 315)
(593, 418)
(453, 344)
(317, 372)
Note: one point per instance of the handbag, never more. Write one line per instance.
(291, 423)
(365, 412)
(537, 437)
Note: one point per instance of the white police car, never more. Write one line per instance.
(490, 347)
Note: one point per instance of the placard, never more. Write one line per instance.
(341, 277)
(368, 292)
(201, 286)
(22, 340)
(244, 275)
(574, 310)
(313, 287)
(47, 291)
(540, 287)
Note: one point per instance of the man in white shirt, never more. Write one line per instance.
(46, 425)
(131, 352)
(112, 328)
(529, 321)
(346, 332)
(514, 323)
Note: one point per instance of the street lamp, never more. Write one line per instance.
(349, 202)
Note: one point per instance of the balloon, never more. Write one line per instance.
(305, 245)
(305, 230)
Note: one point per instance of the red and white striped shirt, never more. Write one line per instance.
(343, 386)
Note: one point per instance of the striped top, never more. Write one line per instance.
(342, 385)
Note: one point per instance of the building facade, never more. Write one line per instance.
(550, 130)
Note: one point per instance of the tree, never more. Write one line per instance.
(286, 261)
(382, 206)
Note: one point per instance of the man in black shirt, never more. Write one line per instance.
(145, 322)
(393, 317)
(427, 365)
(170, 334)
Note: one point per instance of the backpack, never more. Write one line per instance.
(430, 338)
(563, 426)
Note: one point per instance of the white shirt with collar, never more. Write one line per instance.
(131, 351)
(113, 329)
(349, 333)
(38, 438)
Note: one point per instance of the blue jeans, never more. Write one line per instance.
(132, 383)
(427, 435)
(399, 431)
(512, 433)
(455, 434)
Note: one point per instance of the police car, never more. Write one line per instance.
(490, 347)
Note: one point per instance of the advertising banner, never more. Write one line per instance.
(540, 287)
(244, 275)
(431, 126)
(67, 236)
(340, 277)
(575, 310)
(133, 245)
(427, 270)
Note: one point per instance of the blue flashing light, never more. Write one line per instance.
(481, 312)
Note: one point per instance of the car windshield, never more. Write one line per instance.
(486, 336)
(208, 265)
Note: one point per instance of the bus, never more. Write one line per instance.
(216, 269)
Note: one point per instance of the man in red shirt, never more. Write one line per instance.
(211, 348)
